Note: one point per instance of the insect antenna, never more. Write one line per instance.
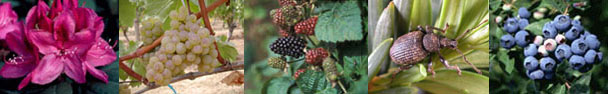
(467, 31)
(467, 61)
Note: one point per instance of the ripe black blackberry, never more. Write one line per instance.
(290, 46)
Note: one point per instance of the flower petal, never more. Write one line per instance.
(49, 69)
(16, 70)
(37, 19)
(84, 18)
(64, 27)
(25, 81)
(100, 54)
(73, 68)
(7, 15)
(81, 42)
(99, 74)
(44, 41)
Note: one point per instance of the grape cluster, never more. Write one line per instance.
(185, 44)
(151, 29)
(563, 39)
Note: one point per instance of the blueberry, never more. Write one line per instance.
(561, 22)
(530, 63)
(547, 64)
(563, 52)
(550, 45)
(511, 25)
(530, 50)
(572, 34)
(507, 41)
(538, 74)
(549, 74)
(590, 56)
(521, 38)
(542, 51)
(575, 22)
(576, 62)
(522, 23)
(538, 40)
(549, 30)
(523, 12)
(592, 42)
(579, 47)
(561, 39)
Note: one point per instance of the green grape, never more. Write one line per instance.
(177, 59)
(205, 50)
(197, 60)
(180, 48)
(158, 66)
(169, 48)
(167, 73)
(190, 57)
(174, 24)
(188, 45)
(173, 15)
(197, 49)
(207, 59)
(169, 65)
(213, 53)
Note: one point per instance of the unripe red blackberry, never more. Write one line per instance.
(286, 16)
(290, 46)
(287, 2)
(297, 74)
(277, 62)
(283, 33)
(307, 26)
(316, 56)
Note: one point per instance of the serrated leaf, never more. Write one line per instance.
(312, 81)
(342, 22)
(279, 85)
(536, 28)
(227, 50)
(448, 81)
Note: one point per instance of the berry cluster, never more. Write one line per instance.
(185, 44)
(290, 46)
(553, 47)
(316, 56)
(151, 29)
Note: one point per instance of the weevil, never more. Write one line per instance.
(415, 46)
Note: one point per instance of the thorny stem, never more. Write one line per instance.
(342, 86)
(310, 39)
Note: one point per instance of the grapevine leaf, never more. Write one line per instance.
(342, 22)
(448, 81)
(227, 50)
(127, 12)
(279, 85)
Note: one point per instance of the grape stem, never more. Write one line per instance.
(193, 75)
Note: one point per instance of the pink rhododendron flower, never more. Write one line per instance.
(69, 41)
(8, 17)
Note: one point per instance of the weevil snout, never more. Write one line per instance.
(449, 43)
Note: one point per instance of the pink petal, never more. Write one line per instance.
(81, 42)
(16, 70)
(73, 68)
(8, 28)
(64, 27)
(37, 19)
(49, 69)
(7, 15)
(100, 54)
(56, 8)
(25, 81)
(98, 27)
(44, 41)
(99, 74)
(70, 3)
(84, 18)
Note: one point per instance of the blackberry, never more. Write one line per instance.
(316, 56)
(290, 46)
(277, 62)
(307, 26)
(287, 2)
(297, 74)
(286, 17)
(283, 33)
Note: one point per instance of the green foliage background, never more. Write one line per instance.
(506, 67)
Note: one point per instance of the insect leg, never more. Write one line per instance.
(431, 28)
(445, 63)
(467, 61)
(429, 67)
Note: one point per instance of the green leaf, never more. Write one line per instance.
(342, 22)
(384, 27)
(448, 81)
(60, 88)
(127, 12)
(112, 71)
(227, 50)
(398, 90)
(312, 81)
(421, 14)
(279, 85)
(503, 57)
(413, 74)
(103, 88)
(536, 28)
(378, 57)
